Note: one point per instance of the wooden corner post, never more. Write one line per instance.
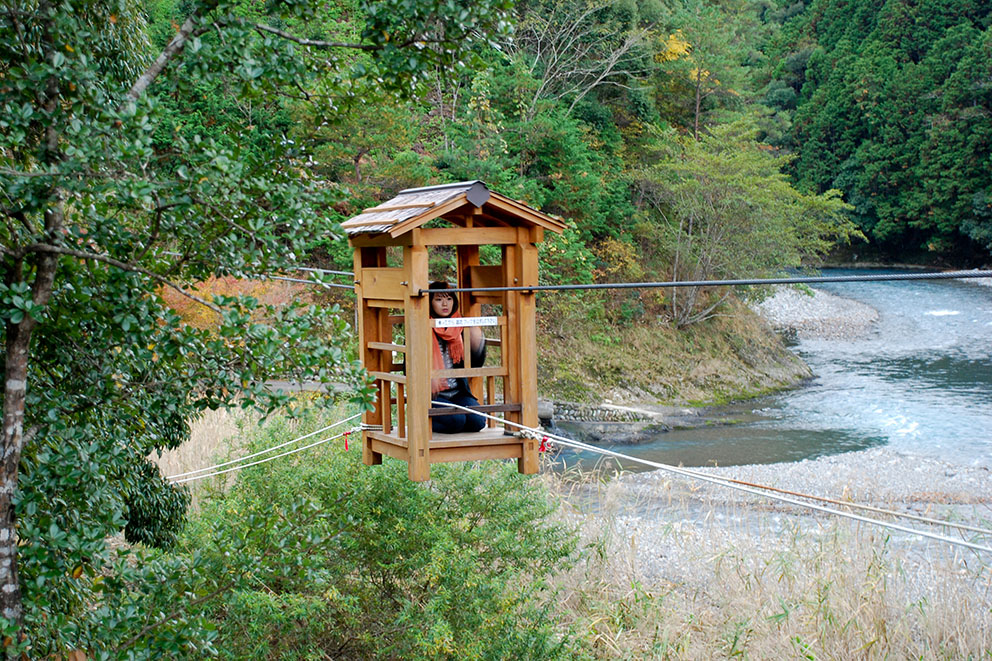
(418, 367)
(468, 256)
(369, 328)
(527, 265)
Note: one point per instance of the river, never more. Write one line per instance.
(920, 383)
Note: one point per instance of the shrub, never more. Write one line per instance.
(339, 560)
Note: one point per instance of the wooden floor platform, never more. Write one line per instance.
(490, 443)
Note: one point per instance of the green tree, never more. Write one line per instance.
(893, 111)
(715, 46)
(102, 207)
(726, 211)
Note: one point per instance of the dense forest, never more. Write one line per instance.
(639, 123)
(889, 102)
(601, 113)
(148, 146)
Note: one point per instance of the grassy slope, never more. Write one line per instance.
(733, 356)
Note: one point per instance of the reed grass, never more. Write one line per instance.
(674, 574)
(210, 438)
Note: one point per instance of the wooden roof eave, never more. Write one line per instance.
(503, 206)
(521, 211)
(501, 209)
(431, 214)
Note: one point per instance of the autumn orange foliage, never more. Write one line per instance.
(268, 292)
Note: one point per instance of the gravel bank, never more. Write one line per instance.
(985, 282)
(683, 533)
(818, 314)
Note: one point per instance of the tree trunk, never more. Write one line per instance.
(699, 102)
(18, 350)
(15, 388)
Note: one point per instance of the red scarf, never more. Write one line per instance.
(456, 349)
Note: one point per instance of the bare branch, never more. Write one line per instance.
(173, 49)
(259, 27)
(124, 266)
(571, 54)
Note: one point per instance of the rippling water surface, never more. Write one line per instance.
(920, 383)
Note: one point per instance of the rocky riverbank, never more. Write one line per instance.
(776, 574)
(632, 418)
(815, 313)
(734, 554)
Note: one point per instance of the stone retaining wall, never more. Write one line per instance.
(571, 412)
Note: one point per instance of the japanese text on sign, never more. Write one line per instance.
(466, 321)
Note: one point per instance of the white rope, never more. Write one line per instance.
(262, 461)
(721, 482)
(265, 451)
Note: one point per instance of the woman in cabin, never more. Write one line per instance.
(449, 352)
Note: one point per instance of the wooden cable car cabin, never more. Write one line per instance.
(395, 327)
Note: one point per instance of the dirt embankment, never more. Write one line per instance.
(651, 366)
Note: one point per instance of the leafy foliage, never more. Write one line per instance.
(728, 212)
(120, 177)
(347, 561)
(894, 111)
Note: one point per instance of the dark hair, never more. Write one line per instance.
(440, 285)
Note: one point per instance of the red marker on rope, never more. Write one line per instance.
(346, 440)
(544, 444)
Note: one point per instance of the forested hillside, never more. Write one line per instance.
(890, 102)
(637, 122)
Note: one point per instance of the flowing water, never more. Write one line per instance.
(920, 383)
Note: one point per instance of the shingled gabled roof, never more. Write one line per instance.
(413, 207)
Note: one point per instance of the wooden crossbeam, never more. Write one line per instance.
(440, 411)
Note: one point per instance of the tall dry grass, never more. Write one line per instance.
(210, 439)
(224, 435)
(215, 437)
(675, 575)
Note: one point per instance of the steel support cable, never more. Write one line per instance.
(350, 274)
(868, 508)
(267, 459)
(561, 440)
(810, 280)
(325, 285)
(948, 275)
(266, 450)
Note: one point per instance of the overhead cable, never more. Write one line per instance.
(267, 459)
(804, 280)
(328, 271)
(265, 451)
(869, 508)
(325, 285)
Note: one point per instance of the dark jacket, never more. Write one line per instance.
(476, 358)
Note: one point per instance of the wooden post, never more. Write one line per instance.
(418, 362)
(468, 256)
(511, 347)
(527, 320)
(385, 334)
(368, 331)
